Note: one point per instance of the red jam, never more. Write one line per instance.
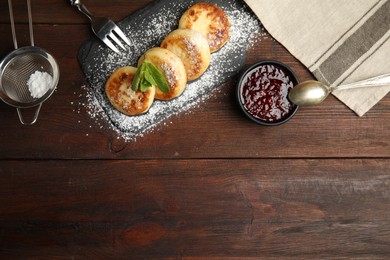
(264, 91)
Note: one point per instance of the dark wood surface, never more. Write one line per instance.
(210, 184)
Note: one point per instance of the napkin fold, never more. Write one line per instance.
(338, 41)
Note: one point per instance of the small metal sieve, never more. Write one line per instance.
(16, 69)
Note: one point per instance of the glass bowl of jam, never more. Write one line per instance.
(262, 93)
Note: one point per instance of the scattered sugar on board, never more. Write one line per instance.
(245, 31)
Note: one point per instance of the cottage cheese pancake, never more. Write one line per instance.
(171, 67)
(211, 21)
(123, 97)
(192, 48)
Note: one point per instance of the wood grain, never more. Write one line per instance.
(61, 12)
(209, 184)
(302, 208)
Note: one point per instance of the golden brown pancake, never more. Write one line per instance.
(208, 19)
(171, 67)
(192, 48)
(123, 98)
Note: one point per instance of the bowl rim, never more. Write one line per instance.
(295, 79)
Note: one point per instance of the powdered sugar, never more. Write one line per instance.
(170, 74)
(147, 29)
(39, 83)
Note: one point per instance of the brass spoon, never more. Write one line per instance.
(311, 92)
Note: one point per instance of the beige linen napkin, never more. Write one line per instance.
(338, 41)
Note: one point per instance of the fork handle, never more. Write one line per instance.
(82, 8)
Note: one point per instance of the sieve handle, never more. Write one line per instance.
(30, 25)
(38, 108)
(11, 17)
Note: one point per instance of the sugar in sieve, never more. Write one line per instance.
(18, 66)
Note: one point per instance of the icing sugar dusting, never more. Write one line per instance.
(148, 31)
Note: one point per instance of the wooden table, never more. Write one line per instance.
(208, 184)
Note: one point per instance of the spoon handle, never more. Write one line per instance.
(381, 80)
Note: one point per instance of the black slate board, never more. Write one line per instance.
(146, 28)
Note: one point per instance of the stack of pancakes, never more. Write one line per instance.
(184, 55)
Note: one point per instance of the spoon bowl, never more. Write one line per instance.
(309, 93)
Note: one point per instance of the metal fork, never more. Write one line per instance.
(103, 28)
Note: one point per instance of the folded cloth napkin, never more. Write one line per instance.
(338, 41)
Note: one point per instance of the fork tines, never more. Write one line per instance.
(112, 33)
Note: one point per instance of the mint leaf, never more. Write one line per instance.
(145, 84)
(138, 77)
(148, 75)
(158, 77)
(149, 78)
